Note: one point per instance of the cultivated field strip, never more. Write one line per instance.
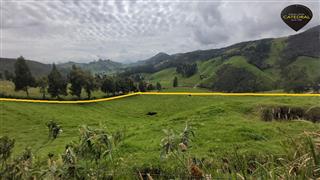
(156, 93)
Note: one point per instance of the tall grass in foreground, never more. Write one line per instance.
(301, 161)
(97, 155)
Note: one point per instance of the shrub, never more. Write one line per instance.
(54, 129)
(313, 114)
(6, 146)
(175, 82)
(282, 113)
(300, 160)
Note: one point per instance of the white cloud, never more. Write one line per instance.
(57, 31)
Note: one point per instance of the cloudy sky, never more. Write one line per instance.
(126, 31)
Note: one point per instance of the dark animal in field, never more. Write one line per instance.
(151, 113)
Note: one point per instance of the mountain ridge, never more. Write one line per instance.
(265, 57)
(42, 69)
(313, 30)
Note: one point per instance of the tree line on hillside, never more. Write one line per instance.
(228, 78)
(258, 54)
(7, 75)
(77, 81)
(298, 80)
(306, 44)
(235, 79)
(187, 70)
(238, 79)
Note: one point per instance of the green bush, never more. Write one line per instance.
(313, 114)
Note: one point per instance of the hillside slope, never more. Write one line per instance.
(37, 69)
(265, 58)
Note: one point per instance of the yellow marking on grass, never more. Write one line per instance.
(228, 94)
(68, 102)
(157, 93)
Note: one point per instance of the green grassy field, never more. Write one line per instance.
(221, 124)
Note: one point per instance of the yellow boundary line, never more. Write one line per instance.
(157, 93)
(228, 94)
(67, 102)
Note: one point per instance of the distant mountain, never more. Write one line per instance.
(100, 66)
(40, 69)
(264, 58)
(162, 60)
(303, 44)
(157, 59)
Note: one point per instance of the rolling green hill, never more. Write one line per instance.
(37, 68)
(264, 58)
(311, 64)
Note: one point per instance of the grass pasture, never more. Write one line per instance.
(221, 124)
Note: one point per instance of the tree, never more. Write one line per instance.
(6, 147)
(150, 87)
(8, 75)
(57, 84)
(137, 77)
(295, 79)
(77, 81)
(23, 78)
(89, 83)
(124, 85)
(42, 83)
(142, 86)
(98, 78)
(187, 70)
(316, 84)
(1, 76)
(158, 86)
(175, 82)
(108, 85)
(128, 85)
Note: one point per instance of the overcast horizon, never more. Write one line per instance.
(127, 31)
